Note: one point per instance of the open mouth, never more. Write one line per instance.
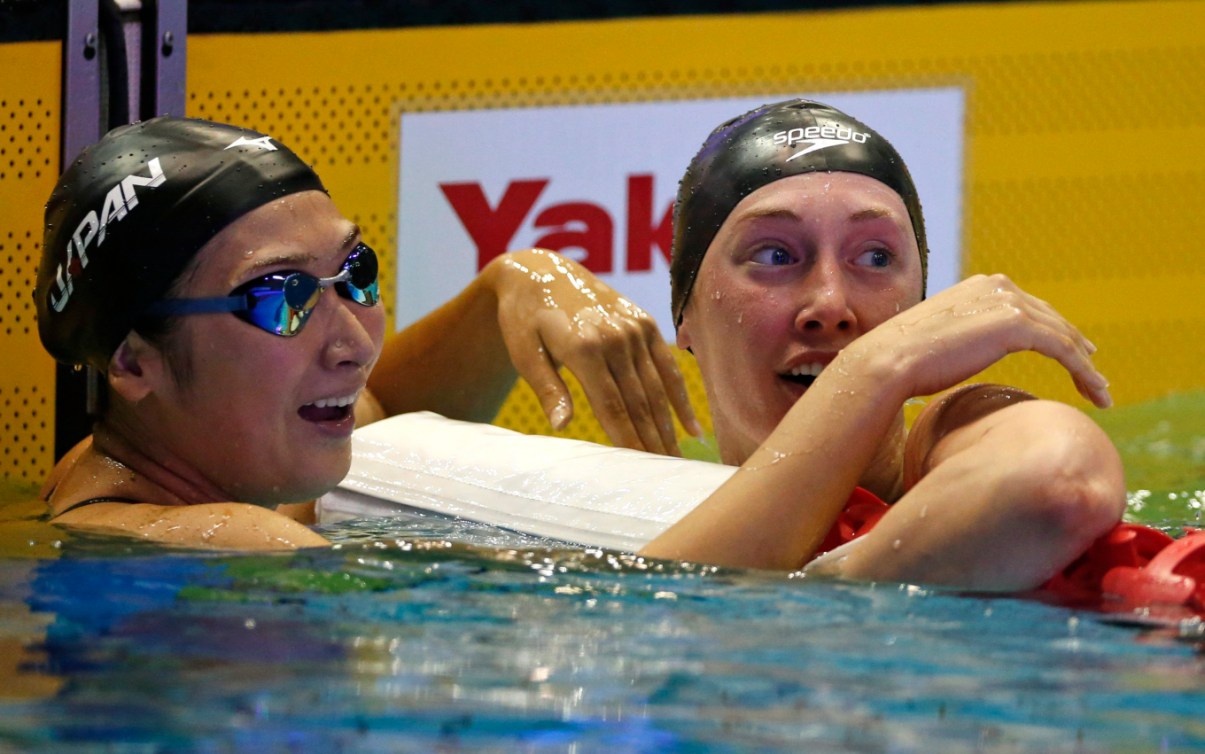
(328, 409)
(804, 374)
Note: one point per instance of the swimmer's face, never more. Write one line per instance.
(799, 269)
(248, 421)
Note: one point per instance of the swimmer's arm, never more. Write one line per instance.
(226, 526)
(775, 511)
(1005, 501)
(527, 314)
(453, 361)
(777, 508)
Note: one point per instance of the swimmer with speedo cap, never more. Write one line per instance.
(235, 316)
(798, 278)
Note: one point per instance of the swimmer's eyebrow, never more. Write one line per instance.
(352, 237)
(776, 213)
(781, 213)
(870, 213)
(349, 240)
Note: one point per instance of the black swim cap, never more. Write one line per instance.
(762, 146)
(132, 211)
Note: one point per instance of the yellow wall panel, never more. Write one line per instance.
(29, 165)
(1084, 152)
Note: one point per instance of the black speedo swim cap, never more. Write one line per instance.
(132, 211)
(762, 146)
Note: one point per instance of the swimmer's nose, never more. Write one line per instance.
(349, 332)
(825, 304)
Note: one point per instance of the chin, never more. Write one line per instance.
(317, 480)
(319, 485)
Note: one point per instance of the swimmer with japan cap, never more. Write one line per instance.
(235, 316)
(798, 283)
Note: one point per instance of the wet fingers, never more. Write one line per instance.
(611, 411)
(537, 367)
(1073, 353)
(675, 387)
(658, 402)
(640, 390)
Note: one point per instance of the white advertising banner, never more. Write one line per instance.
(597, 183)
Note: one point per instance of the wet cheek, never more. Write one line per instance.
(761, 309)
(760, 319)
(377, 326)
(891, 294)
(728, 311)
(889, 300)
(903, 302)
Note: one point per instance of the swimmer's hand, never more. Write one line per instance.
(553, 312)
(968, 327)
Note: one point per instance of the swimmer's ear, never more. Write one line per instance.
(683, 332)
(135, 368)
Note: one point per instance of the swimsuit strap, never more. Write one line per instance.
(92, 500)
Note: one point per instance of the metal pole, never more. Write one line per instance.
(164, 55)
(81, 126)
(81, 78)
(154, 76)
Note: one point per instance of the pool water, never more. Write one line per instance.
(425, 635)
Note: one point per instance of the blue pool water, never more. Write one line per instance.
(424, 635)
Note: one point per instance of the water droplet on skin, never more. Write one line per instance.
(896, 545)
(924, 511)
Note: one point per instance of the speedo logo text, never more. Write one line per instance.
(818, 137)
(119, 202)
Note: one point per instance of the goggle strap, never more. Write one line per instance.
(177, 306)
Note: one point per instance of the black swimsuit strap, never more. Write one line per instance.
(92, 500)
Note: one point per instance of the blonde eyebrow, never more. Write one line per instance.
(779, 213)
(870, 213)
(771, 213)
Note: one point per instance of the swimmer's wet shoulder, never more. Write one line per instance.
(96, 492)
(234, 526)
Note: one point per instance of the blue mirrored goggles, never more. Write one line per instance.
(281, 302)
